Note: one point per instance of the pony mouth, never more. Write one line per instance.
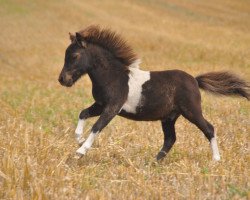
(67, 84)
(70, 82)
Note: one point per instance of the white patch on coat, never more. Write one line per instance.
(135, 64)
(79, 130)
(137, 78)
(87, 144)
(215, 150)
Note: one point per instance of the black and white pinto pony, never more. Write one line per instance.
(120, 87)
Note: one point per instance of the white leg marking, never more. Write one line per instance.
(79, 130)
(87, 144)
(137, 78)
(215, 150)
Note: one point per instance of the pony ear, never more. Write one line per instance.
(80, 40)
(72, 37)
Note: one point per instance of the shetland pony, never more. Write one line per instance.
(120, 87)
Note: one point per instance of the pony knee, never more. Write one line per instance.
(83, 114)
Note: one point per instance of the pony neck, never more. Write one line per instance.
(105, 67)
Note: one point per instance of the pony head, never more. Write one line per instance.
(76, 62)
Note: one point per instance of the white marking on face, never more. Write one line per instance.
(87, 144)
(79, 129)
(215, 150)
(137, 78)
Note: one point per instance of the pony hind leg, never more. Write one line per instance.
(169, 137)
(213, 143)
(208, 131)
(194, 115)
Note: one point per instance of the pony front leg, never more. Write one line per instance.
(87, 144)
(79, 130)
(108, 114)
(92, 111)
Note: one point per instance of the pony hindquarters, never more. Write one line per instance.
(194, 115)
(189, 102)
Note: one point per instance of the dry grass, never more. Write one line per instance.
(38, 116)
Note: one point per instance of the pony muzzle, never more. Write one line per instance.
(66, 79)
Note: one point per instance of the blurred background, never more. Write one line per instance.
(38, 116)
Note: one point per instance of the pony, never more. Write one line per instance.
(120, 87)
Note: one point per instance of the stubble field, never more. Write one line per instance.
(38, 116)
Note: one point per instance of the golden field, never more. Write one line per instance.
(38, 116)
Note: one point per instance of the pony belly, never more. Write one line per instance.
(149, 113)
(138, 116)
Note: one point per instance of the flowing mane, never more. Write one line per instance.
(111, 41)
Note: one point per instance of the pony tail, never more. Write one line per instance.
(224, 83)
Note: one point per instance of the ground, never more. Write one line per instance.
(38, 116)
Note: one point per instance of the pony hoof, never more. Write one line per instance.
(81, 141)
(216, 158)
(161, 155)
(78, 155)
(78, 137)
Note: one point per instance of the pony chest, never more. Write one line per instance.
(136, 80)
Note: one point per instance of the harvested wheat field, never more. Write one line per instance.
(38, 116)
